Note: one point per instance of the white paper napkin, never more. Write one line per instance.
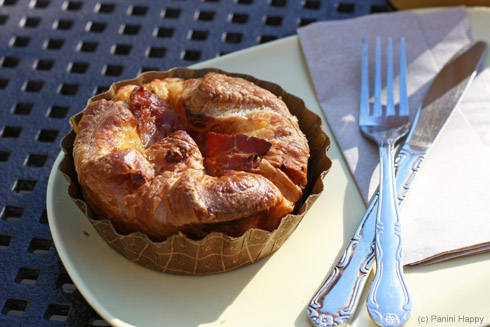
(447, 213)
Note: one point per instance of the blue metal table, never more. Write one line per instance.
(54, 55)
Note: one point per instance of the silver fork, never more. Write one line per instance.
(388, 303)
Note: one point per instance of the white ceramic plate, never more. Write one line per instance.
(276, 290)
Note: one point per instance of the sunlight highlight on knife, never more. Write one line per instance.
(337, 298)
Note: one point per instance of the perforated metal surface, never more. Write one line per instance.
(54, 55)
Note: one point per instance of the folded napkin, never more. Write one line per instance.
(446, 214)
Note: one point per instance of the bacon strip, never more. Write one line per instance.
(219, 144)
(155, 118)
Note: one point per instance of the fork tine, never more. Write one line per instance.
(364, 108)
(377, 108)
(390, 103)
(403, 80)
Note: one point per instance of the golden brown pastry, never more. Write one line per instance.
(216, 153)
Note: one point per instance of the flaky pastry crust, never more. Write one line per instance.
(216, 153)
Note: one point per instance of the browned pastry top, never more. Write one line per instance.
(216, 153)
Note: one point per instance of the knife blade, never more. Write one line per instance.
(336, 300)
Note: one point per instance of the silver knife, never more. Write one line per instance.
(337, 298)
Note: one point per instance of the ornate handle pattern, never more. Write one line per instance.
(389, 302)
(337, 299)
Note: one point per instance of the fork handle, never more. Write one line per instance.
(389, 303)
(338, 297)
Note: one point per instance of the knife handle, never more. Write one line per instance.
(407, 164)
(338, 297)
